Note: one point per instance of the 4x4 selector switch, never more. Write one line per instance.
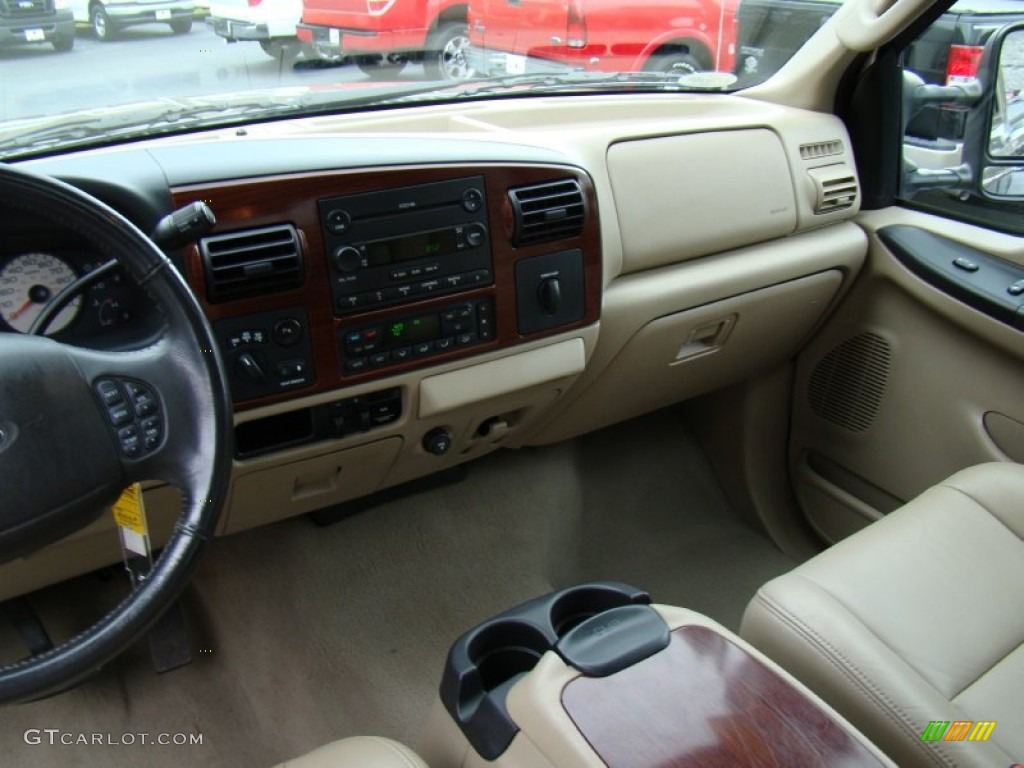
(287, 332)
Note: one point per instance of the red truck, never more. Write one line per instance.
(381, 36)
(510, 37)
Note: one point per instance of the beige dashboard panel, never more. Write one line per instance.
(681, 197)
(270, 494)
(688, 353)
(448, 391)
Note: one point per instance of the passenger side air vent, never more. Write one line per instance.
(251, 262)
(548, 211)
(835, 188)
(821, 149)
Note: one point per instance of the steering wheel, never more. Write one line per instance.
(77, 426)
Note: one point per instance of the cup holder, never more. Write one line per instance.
(504, 651)
(572, 607)
(486, 661)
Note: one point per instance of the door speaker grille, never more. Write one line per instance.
(847, 385)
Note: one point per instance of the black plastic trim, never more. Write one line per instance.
(967, 274)
(614, 640)
(486, 661)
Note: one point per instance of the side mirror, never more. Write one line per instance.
(995, 128)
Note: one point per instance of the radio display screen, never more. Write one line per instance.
(412, 330)
(420, 245)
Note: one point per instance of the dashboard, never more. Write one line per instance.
(398, 294)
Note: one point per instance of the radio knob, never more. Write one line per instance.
(348, 259)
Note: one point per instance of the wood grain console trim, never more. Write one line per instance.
(249, 203)
(704, 701)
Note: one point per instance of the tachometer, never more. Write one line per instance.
(30, 281)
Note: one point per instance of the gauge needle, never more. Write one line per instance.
(21, 310)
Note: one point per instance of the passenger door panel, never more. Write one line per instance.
(919, 373)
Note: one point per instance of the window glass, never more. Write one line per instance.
(948, 141)
(77, 72)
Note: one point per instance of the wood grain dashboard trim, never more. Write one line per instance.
(248, 203)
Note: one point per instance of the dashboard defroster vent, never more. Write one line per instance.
(548, 211)
(251, 262)
(835, 188)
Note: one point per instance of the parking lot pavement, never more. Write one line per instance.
(144, 63)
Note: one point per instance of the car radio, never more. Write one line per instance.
(395, 245)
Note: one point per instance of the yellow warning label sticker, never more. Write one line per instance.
(129, 511)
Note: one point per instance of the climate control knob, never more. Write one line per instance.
(347, 259)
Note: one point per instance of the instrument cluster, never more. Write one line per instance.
(32, 280)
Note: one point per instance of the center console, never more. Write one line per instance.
(595, 675)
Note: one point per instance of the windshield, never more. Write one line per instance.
(86, 72)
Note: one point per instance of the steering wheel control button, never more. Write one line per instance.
(119, 414)
(110, 393)
(965, 264)
(142, 399)
(151, 433)
(134, 413)
(130, 441)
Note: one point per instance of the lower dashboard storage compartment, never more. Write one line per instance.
(266, 495)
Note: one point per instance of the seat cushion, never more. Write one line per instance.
(918, 618)
(359, 752)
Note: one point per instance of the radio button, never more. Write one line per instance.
(338, 222)
(416, 272)
(472, 200)
(476, 235)
(431, 269)
(399, 274)
(353, 301)
(429, 286)
(478, 277)
(453, 281)
(404, 291)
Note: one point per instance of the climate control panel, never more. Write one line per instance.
(405, 337)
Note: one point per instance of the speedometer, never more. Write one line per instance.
(30, 281)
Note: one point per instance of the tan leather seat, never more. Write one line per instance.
(359, 752)
(915, 620)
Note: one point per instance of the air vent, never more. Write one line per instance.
(548, 211)
(251, 262)
(835, 188)
(821, 149)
